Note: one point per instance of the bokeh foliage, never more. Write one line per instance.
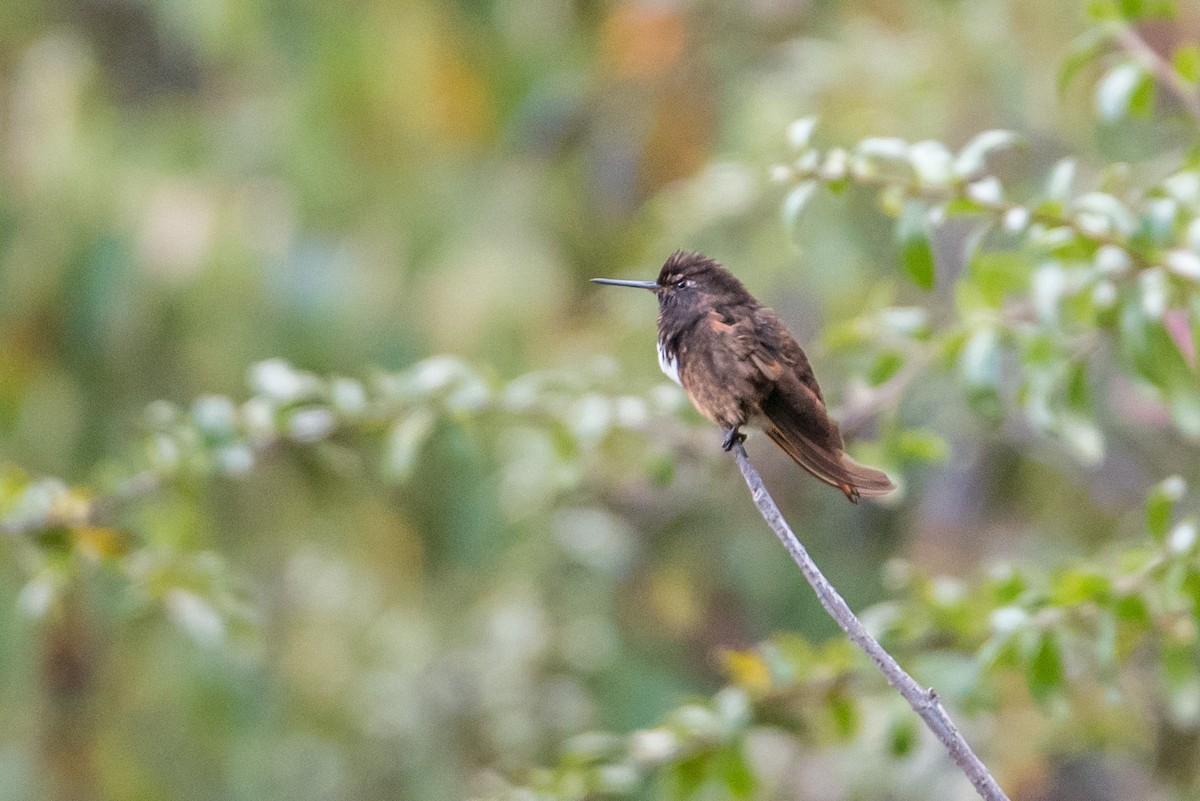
(326, 474)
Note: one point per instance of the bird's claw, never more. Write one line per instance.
(732, 437)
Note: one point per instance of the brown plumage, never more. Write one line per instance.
(740, 366)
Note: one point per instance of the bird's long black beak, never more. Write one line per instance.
(635, 284)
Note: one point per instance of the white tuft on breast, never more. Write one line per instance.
(669, 365)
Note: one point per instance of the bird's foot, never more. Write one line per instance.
(732, 436)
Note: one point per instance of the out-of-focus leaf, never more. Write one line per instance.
(404, 444)
(998, 274)
(1085, 49)
(736, 773)
(1132, 609)
(902, 736)
(795, 202)
(1175, 322)
(1049, 286)
(1184, 263)
(1152, 284)
(1184, 187)
(883, 147)
(886, 365)
(100, 542)
(687, 776)
(1103, 10)
(748, 669)
(1117, 89)
(1044, 673)
(972, 157)
(1081, 585)
(909, 321)
(987, 191)
(195, 616)
(1083, 436)
(1183, 684)
(844, 714)
(916, 252)
(1160, 504)
(932, 162)
(1058, 186)
(921, 445)
(1109, 10)
(1186, 60)
(1108, 207)
(980, 359)
(799, 133)
(1182, 539)
(1185, 411)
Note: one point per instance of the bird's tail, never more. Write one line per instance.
(833, 467)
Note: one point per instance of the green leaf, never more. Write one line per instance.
(686, 777)
(736, 773)
(1044, 673)
(972, 157)
(1102, 10)
(1058, 186)
(1141, 102)
(1185, 411)
(795, 202)
(404, 444)
(932, 163)
(886, 365)
(916, 253)
(844, 714)
(998, 274)
(979, 359)
(921, 445)
(979, 363)
(1186, 60)
(1108, 209)
(1081, 585)
(886, 148)
(799, 133)
(1083, 436)
(902, 736)
(1116, 90)
(1086, 48)
(1160, 504)
(1132, 609)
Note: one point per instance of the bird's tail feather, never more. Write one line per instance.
(834, 468)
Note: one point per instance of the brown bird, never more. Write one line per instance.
(740, 366)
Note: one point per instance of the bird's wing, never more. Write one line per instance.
(796, 418)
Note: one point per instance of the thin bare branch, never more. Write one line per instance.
(923, 701)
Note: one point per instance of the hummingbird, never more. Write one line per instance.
(740, 366)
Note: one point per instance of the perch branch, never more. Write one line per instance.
(923, 701)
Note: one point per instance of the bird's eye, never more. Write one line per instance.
(682, 283)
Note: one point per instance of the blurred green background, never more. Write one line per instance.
(189, 188)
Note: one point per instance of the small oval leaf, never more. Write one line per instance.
(916, 253)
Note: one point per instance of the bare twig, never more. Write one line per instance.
(1162, 70)
(923, 701)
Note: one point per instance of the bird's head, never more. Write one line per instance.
(690, 283)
